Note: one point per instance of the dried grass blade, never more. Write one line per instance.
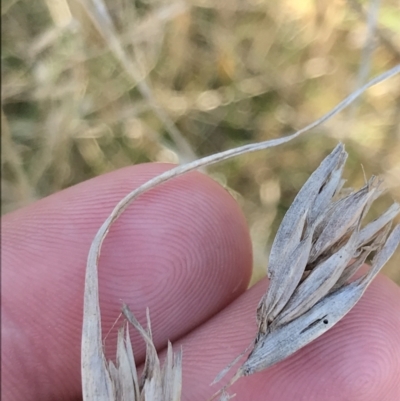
(126, 386)
(372, 228)
(96, 381)
(131, 360)
(164, 384)
(151, 365)
(321, 279)
(114, 377)
(383, 256)
(134, 322)
(352, 269)
(282, 285)
(340, 220)
(300, 205)
(326, 193)
(226, 397)
(172, 376)
(152, 390)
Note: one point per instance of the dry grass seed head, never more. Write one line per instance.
(311, 263)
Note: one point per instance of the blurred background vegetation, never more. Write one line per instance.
(91, 86)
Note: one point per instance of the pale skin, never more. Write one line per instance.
(184, 251)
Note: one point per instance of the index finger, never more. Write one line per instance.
(182, 249)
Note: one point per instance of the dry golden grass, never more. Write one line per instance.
(169, 81)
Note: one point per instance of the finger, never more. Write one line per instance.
(358, 359)
(182, 249)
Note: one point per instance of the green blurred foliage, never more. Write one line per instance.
(225, 74)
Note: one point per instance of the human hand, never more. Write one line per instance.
(183, 250)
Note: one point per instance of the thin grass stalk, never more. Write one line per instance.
(98, 379)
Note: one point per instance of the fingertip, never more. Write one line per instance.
(181, 249)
